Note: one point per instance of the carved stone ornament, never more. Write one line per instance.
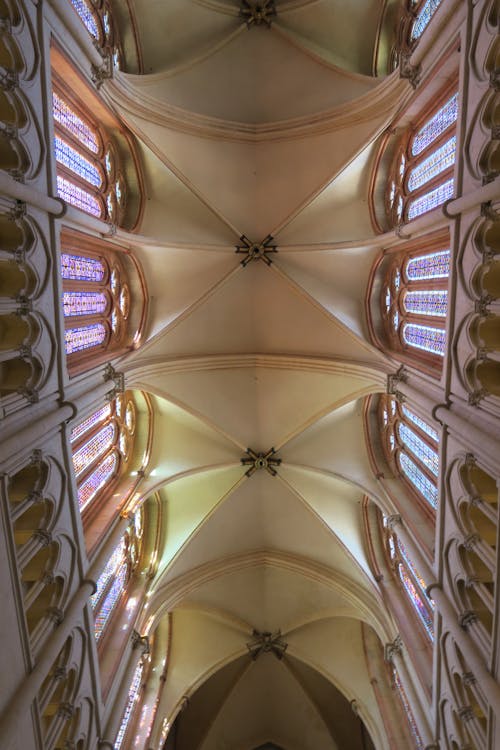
(467, 618)
(468, 678)
(118, 378)
(392, 520)
(43, 537)
(409, 71)
(258, 12)
(481, 305)
(141, 641)
(475, 397)
(66, 710)
(393, 649)
(267, 643)
(257, 461)
(256, 250)
(56, 615)
(466, 713)
(102, 72)
(393, 380)
(471, 541)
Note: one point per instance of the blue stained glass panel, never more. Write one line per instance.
(133, 695)
(84, 303)
(73, 160)
(96, 418)
(423, 18)
(429, 339)
(425, 454)
(81, 268)
(85, 337)
(68, 118)
(97, 480)
(78, 197)
(433, 302)
(117, 558)
(441, 159)
(100, 442)
(111, 600)
(84, 11)
(420, 423)
(429, 266)
(418, 479)
(435, 126)
(434, 198)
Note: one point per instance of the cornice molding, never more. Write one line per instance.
(132, 99)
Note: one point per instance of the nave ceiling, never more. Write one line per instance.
(260, 131)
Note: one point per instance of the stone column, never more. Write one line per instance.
(140, 646)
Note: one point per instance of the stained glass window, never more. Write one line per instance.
(429, 266)
(73, 160)
(81, 130)
(420, 423)
(426, 455)
(416, 600)
(438, 124)
(419, 745)
(116, 560)
(86, 337)
(418, 479)
(84, 303)
(430, 302)
(132, 699)
(78, 197)
(423, 18)
(80, 268)
(87, 16)
(97, 480)
(94, 420)
(440, 160)
(431, 199)
(111, 599)
(100, 442)
(427, 338)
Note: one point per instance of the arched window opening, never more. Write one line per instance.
(132, 701)
(411, 448)
(102, 446)
(405, 704)
(422, 12)
(113, 581)
(421, 176)
(90, 175)
(96, 301)
(98, 20)
(413, 584)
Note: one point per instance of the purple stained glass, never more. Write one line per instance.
(427, 302)
(430, 200)
(111, 600)
(423, 18)
(117, 558)
(429, 266)
(84, 303)
(416, 601)
(73, 160)
(425, 454)
(429, 339)
(86, 337)
(84, 11)
(416, 575)
(73, 123)
(419, 745)
(97, 480)
(435, 126)
(420, 423)
(441, 159)
(96, 446)
(418, 479)
(81, 268)
(133, 695)
(78, 197)
(96, 418)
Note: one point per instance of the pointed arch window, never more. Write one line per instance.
(101, 447)
(414, 301)
(411, 446)
(90, 175)
(411, 580)
(405, 704)
(132, 701)
(421, 176)
(97, 18)
(96, 301)
(113, 581)
(422, 12)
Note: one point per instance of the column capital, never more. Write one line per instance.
(466, 618)
(392, 649)
(393, 520)
(141, 641)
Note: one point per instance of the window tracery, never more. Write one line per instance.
(89, 171)
(101, 447)
(411, 447)
(421, 177)
(97, 18)
(422, 11)
(96, 299)
(411, 580)
(414, 301)
(132, 699)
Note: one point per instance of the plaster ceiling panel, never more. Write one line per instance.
(342, 31)
(176, 278)
(338, 279)
(172, 33)
(173, 213)
(188, 502)
(340, 212)
(257, 77)
(270, 599)
(258, 310)
(337, 503)
(264, 513)
(335, 444)
(269, 704)
(252, 404)
(184, 443)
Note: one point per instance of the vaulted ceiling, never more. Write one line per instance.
(260, 131)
